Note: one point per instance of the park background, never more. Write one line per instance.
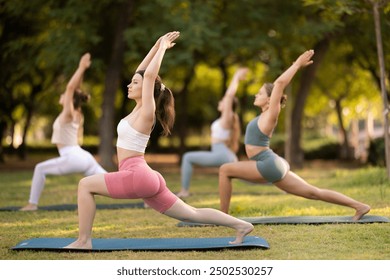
(331, 130)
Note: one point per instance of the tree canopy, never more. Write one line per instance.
(41, 42)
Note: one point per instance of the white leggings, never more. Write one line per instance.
(72, 159)
(218, 155)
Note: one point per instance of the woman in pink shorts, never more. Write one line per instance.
(135, 179)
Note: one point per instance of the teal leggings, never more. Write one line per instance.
(272, 167)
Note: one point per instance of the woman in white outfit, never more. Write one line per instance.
(225, 137)
(67, 130)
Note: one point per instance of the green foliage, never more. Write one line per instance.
(327, 151)
(41, 42)
(376, 152)
(204, 93)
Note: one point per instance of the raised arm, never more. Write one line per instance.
(73, 84)
(282, 82)
(148, 58)
(148, 104)
(227, 109)
(238, 76)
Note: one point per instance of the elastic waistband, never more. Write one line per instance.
(131, 161)
(262, 155)
(68, 149)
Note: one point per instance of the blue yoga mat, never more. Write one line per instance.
(72, 207)
(144, 244)
(294, 220)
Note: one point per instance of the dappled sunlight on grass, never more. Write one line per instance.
(33, 222)
(364, 241)
(385, 211)
(313, 211)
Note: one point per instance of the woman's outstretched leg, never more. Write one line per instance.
(48, 167)
(188, 161)
(183, 212)
(88, 187)
(216, 157)
(294, 184)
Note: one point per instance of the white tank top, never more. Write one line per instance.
(131, 139)
(218, 132)
(65, 134)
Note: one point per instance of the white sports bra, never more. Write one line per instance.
(218, 132)
(131, 139)
(65, 134)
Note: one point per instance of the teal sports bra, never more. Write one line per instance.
(254, 136)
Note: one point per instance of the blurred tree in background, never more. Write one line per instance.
(42, 41)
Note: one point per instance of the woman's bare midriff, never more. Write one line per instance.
(123, 154)
(252, 150)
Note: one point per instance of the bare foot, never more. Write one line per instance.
(29, 207)
(183, 194)
(78, 244)
(243, 230)
(361, 211)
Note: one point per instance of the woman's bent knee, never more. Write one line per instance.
(40, 167)
(83, 184)
(224, 168)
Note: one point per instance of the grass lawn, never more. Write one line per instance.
(288, 242)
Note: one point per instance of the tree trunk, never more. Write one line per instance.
(182, 117)
(381, 60)
(222, 66)
(106, 127)
(345, 152)
(295, 153)
(22, 153)
(3, 127)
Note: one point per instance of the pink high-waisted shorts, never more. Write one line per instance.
(135, 179)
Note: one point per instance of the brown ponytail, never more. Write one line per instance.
(80, 98)
(165, 104)
(165, 108)
(234, 141)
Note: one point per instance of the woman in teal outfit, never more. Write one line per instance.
(266, 166)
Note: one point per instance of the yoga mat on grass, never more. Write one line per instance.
(144, 244)
(295, 220)
(72, 207)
